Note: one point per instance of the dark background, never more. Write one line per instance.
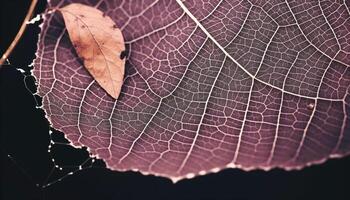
(24, 136)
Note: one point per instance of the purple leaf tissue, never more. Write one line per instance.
(208, 85)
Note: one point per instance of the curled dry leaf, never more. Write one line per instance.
(99, 43)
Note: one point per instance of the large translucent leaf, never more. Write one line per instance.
(209, 85)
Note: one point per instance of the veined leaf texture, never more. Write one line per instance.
(208, 85)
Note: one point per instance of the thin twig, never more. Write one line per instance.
(19, 34)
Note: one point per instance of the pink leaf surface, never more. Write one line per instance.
(208, 85)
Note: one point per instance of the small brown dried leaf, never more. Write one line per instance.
(99, 42)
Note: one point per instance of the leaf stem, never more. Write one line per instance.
(19, 34)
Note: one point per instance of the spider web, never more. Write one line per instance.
(58, 148)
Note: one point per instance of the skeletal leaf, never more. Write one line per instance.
(99, 43)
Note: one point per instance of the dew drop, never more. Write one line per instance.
(311, 106)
